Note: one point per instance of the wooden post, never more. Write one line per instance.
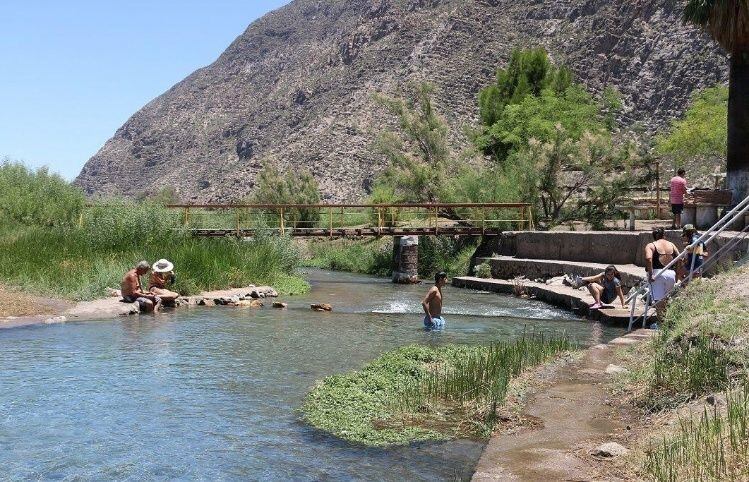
(436, 220)
(186, 218)
(283, 229)
(330, 221)
(380, 221)
(238, 220)
(483, 221)
(658, 189)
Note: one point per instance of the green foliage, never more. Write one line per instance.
(483, 270)
(373, 256)
(528, 72)
(700, 348)
(702, 132)
(401, 396)
(417, 155)
(537, 117)
(580, 178)
(37, 198)
(292, 188)
(444, 253)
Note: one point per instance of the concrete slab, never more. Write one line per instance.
(100, 309)
(507, 267)
(577, 301)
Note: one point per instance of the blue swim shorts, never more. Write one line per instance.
(437, 322)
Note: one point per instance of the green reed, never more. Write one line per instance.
(481, 377)
(711, 446)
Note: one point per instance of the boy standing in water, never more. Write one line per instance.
(433, 302)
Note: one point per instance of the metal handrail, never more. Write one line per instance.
(729, 218)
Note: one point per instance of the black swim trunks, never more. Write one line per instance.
(677, 208)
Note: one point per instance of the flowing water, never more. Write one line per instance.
(213, 393)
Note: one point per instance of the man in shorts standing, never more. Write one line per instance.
(432, 303)
(678, 190)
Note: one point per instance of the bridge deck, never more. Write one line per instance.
(352, 232)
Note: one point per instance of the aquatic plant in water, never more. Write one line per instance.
(418, 393)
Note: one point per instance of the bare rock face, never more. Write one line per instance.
(296, 88)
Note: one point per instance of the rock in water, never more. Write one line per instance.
(321, 307)
(296, 88)
(279, 305)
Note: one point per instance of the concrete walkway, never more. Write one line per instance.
(572, 416)
(556, 294)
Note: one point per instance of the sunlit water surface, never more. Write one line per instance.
(213, 394)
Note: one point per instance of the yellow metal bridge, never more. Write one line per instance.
(354, 220)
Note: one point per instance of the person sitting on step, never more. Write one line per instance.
(605, 287)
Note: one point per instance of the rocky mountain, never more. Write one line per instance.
(296, 88)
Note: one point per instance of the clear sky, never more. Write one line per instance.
(72, 72)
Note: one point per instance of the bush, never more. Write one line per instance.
(483, 270)
(291, 188)
(444, 253)
(37, 198)
(372, 256)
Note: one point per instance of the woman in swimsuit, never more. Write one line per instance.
(658, 255)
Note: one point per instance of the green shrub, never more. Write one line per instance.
(291, 188)
(37, 198)
(444, 253)
(373, 256)
(483, 270)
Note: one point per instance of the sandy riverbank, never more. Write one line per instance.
(22, 309)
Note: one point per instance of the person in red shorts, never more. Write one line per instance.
(678, 190)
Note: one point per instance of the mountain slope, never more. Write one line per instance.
(295, 89)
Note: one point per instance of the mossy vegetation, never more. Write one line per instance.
(419, 393)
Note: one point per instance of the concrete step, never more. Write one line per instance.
(508, 267)
(577, 301)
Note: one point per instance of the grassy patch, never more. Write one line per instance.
(713, 445)
(419, 393)
(702, 346)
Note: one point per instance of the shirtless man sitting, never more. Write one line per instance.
(132, 291)
(433, 303)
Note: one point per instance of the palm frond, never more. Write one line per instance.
(727, 21)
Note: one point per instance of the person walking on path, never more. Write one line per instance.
(432, 303)
(658, 255)
(678, 190)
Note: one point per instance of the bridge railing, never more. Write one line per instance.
(336, 220)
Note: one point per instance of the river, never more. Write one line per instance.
(213, 393)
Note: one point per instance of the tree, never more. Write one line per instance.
(291, 188)
(530, 97)
(418, 153)
(727, 22)
(580, 178)
(698, 140)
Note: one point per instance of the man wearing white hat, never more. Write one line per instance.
(162, 274)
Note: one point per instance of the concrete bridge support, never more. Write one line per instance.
(406, 260)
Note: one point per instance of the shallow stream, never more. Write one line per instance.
(213, 393)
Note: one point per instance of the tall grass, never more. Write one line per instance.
(421, 393)
(50, 244)
(711, 446)
(481, 377)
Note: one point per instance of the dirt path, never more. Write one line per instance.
(572, 416)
